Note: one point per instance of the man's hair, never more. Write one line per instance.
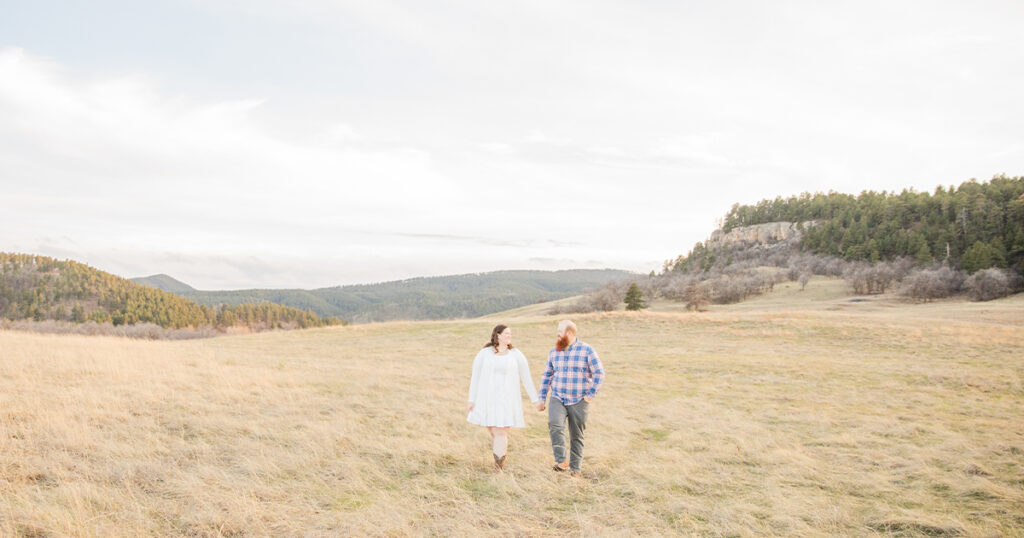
(570, 330)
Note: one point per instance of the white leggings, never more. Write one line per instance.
(500, 443)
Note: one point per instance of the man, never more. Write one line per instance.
(573, 375)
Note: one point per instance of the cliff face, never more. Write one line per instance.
(772, 232)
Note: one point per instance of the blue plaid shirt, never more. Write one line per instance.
(572, 374)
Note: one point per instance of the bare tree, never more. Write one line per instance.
(605, 298)
(868, 278)
(929, 284)
(989, 284)
(696, 296)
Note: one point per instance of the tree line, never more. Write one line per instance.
(40, 288)
(975, 226)
(752, 270)
(962, 240)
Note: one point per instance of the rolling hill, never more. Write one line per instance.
(39, 288)
(444, 297)
(974, 226)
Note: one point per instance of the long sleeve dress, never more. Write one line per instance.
(494, 388)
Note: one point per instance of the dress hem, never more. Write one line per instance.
(495, 425)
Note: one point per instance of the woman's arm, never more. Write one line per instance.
(474, 382)
(524, 376)
(545, 379)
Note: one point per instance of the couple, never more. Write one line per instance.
(573, 374)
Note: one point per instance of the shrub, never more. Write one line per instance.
(928, 284)
(866, 278)
(149, 331)
(988, 284)
(606, 298)
(696, 296)
(675, 286)
(650, 287)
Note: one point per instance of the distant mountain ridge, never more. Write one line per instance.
(163, 282)
(443, 297)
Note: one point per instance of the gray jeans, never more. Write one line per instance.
(577, 416)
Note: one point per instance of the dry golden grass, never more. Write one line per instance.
(876, 418)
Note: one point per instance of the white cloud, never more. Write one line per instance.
(117, 132)
(120, 146)
(698, 148)
(137, 181)
(367, 131)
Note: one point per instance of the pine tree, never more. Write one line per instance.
(998, 252)
(924, 254)
(979, 256)
(635, 298)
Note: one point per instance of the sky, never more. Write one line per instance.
(236, 144)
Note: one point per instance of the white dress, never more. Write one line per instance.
(494, 389)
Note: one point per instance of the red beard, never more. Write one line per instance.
(562, 343)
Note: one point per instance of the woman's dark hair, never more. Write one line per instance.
(494, 337)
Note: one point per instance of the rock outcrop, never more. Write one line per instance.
(772, 232)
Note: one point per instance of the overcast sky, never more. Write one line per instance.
(312, 143)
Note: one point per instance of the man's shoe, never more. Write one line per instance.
(576, 475)
(499, 462)
(564, 466)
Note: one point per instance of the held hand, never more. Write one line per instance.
(540, 406)
(587, 399)
(471, 406)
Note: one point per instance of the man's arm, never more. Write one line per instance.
(597, 371)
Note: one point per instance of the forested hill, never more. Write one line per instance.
(974, 226)
(40, 288)
(445, 297)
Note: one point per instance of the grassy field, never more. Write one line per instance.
(793, 414)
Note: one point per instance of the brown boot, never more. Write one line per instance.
(499, 463)
(564, 466)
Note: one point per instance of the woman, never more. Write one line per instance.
(494, 397)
